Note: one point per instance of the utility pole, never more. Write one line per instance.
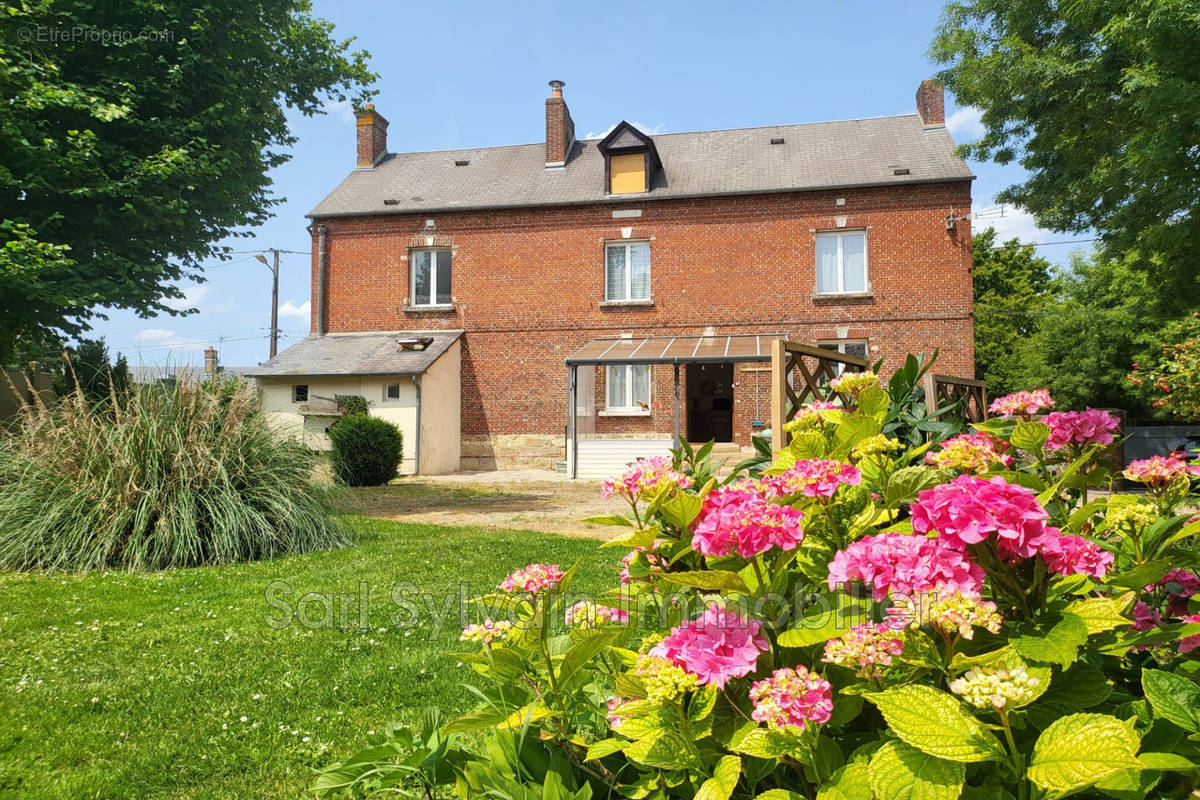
(274, 267)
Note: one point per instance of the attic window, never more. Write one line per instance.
(392, 202)
(461, 162)
(630, 160)
(415, 342)
(900, 171)
(777, 140)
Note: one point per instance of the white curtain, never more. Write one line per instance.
(827, 264)
(639, 265)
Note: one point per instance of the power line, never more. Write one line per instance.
(1043, 244)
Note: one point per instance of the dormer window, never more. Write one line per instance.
(630, 161)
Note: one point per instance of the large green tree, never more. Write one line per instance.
(1013, 288)
(1099, 100)
(135, 135)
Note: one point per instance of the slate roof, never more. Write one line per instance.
(823, 155)
(375, 353)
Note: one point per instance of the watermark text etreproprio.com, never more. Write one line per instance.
(49, 34)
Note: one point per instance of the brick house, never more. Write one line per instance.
(853, 235)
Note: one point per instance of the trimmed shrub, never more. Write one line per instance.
(366, 450)
(164, 477)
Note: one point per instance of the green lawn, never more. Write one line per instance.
(174, 684)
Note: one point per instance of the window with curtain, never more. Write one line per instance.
(627, 271)
(842, 262)
(430, 277)
(628, 387)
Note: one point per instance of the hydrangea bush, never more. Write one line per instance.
(864, 620)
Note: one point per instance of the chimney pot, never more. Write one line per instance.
(210, 361)
(371, 129)
(560, 128)
(931, 103)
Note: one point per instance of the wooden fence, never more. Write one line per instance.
(941, 390)
(800, 374)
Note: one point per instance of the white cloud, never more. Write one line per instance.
(196, 297)
(290, 309)
(1017, 223)
(966, 124)
(341, 110)
(649, 130)
(165, 339)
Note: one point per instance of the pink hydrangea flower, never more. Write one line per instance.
(1075, 555)
(1024, 404)
(1158, 472)
(644, 479)
(900, 563)
(741, 520)
(968, 510)
(1179, 585)
(971, 453)
(614, 716)
(716, 646)
(792, 698)
(1093, 426)
(656, 563)
(1189, 643)
(533, 578)
(867, 649)
(814, 477)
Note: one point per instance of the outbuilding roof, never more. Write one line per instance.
(824, 155)
(693, 349)
(375, 353)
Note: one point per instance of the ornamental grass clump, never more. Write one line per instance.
(857, 621)
(153, 478)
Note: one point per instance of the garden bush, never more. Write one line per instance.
(366, 450)
(161, 477)
(865, 620)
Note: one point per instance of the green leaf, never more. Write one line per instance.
(711, 580)
(784, 794)
(1080, 750)
(906, 482)
(670, 750)
(920, 651)
(583, 652)
(1059, 645)
(768, 743)
(901, 772)
(873, 401)
(1166, 762)
(1030, 436)
(604, 747)
(807, 444)
(724, 780)
(851, 782)
(642, 537)
(936, 723)
(534, 712)
(1173, 697)
(681, 509)
(853, 430)
(819, 624)
(610, 519)
(702, 703)
(1099, 614)
(1080, 687)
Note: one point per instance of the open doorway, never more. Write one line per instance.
(710, 402)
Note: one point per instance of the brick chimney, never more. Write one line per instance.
(372, 136)
(931, 103)
(210, 361)
(560, 129)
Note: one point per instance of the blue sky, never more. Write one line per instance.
(471, 74)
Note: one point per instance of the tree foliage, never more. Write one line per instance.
(135, 135)
(1012, 287)
(1173, 380)
(1100, 101)
(91, 371)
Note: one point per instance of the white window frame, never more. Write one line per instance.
(630, 408)
(841, 262)
(431, 299)
(627, 246)
(839, 345)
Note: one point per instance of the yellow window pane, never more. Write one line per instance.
(628, 173)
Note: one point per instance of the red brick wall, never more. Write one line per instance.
(528, 283)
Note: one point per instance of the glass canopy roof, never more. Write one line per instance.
(675, 349)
